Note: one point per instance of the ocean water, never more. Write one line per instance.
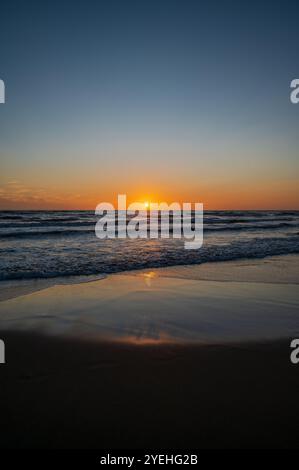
(58, 244)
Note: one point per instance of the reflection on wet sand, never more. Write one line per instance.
(150, 309)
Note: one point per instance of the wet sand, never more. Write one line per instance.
(151, 360)
(145, 309)
(66, 393)
(274, 269)
(282, 269)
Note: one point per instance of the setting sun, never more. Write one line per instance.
(146, 205)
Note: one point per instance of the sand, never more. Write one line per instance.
(274, 269)
(282, 269)
(59, 393)
(148, 308)
(153, 360)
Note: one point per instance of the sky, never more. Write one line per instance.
(185, 101)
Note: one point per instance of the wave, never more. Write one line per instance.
(143, 256)
(47, 223)
(70, 232)
(254, 227)
(52, 244)
(43, 233)
(74, 222)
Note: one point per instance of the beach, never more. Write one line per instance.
(73, 394)
(157, 358)
(149, 228)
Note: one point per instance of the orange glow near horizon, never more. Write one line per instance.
(238, 195)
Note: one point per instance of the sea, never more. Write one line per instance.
(62, 244)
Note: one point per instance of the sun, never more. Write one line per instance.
(146, 205)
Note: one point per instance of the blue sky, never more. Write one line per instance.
(186, 98)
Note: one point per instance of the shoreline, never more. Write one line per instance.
(147, 307)
(154, 359)
(284, 269)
